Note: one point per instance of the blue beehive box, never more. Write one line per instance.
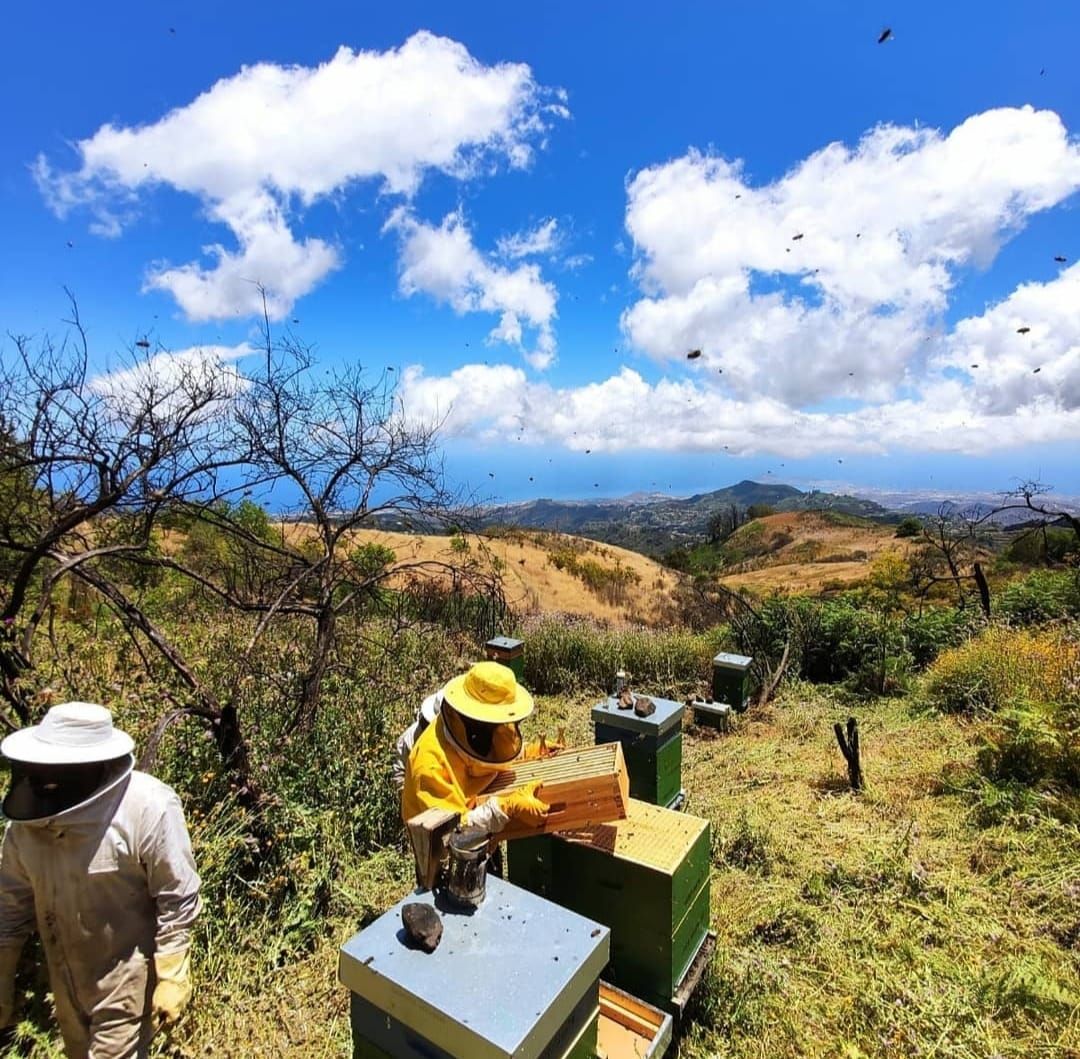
(516, 979)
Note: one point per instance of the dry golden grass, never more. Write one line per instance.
(532, 583)
(819, 552)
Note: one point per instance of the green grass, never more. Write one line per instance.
(563, 655)
(888, 924)
(842, 518)
(892, 923)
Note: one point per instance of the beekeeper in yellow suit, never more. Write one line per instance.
(475, 735)
(100, 855)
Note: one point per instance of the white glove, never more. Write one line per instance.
(488, 817)
(9, 960)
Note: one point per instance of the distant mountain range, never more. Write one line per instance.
(653, 523)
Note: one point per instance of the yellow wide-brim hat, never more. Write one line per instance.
(490, 693)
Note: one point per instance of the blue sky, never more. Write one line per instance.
(533, 214)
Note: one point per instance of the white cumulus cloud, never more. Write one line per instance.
(543, 239)
(443, 262)
(820, 304)
(498, 404)
(166, 378)
(257, 146)
(1024, 349)
(827, 281)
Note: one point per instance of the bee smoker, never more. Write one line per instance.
(466, 872)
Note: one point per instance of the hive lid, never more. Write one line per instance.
(504, 643)
(650, 835)
(729, 661)
(668, 716)
(501, 983)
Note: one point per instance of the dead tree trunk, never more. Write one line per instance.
(774, 676)
(311, 682)
(13, 663)
(849, 747)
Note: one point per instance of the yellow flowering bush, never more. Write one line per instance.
(1003, 667)
(1027, 685)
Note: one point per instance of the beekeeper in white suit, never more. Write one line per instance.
(99, 854)
(429, 710)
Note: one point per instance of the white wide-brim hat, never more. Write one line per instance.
(73, 733)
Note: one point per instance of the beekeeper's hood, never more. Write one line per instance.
(74, 756)
(482, 710)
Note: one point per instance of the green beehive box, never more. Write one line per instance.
(509, 652)
(652, 746)
(731, 680)
(647, 878)
(582, 1046)
(655, 770)
(529, 864)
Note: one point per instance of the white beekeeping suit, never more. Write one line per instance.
(429, 710)
(110, 882)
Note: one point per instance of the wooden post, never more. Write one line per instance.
(849, 747)
(984, 588)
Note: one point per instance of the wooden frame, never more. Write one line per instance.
(428, 832)
(628, 1028)
(583, 785)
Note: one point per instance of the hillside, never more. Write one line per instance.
(654, 525)
(538, 571)
(807, 551)
(797, 551)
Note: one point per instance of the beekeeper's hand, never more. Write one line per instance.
(556, 746)
(524, 805)
(173, 989)
(488, 817)
(9, 960)
(543, 748)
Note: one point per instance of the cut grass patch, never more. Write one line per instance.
(894, 925)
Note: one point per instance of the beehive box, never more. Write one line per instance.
(731, 680)
(530, 863)
(652, 746)
(645, 877)
(509, 652)
(583, 786)
(516, 979)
